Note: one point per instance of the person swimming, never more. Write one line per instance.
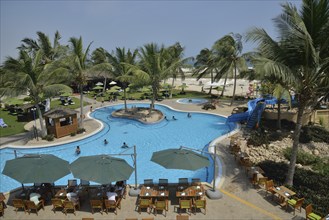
(189, 115)
(173, 118)
(105, 142)
(166, 118)
(77, 150)
(124, 145)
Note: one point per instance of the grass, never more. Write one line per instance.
(15, 127)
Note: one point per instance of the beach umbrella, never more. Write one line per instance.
(112, 83)
(36, 168)
(180, 159)
(99, 84)
(101, 169)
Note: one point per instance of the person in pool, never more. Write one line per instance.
(166, 118)
(124, 145)
(77, 150)
(105, 142)
(189, 115)
(173, 118)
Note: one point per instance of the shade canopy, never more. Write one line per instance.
(101, 169)
(36, 168)
(180, 159)
(112, 83)
(99, 84)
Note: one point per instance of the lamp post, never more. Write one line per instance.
(35, 123)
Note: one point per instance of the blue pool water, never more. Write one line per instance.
(195, 132)
(192, 101)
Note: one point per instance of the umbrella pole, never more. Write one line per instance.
(135, 166)
(214, 181)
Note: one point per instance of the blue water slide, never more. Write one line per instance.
(254, 113)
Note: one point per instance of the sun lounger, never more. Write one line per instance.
(2, 123)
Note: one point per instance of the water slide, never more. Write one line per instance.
(254, 113)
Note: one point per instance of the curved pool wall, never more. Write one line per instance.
(147, 138)
(192, 101)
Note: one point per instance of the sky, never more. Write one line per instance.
(195, 24)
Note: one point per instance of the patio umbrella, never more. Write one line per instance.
(180, 159)
(36, 168)
(112, 83)
(99, 84)
(101, 169)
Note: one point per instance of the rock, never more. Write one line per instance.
(316, 152)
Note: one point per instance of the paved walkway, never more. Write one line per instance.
(240, 200)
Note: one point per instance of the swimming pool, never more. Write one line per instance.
(195, 132)
(192, 101)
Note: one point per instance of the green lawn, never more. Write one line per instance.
(15, 127)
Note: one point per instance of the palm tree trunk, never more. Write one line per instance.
(104, 85)
(211, 80)
(172, 87)
(279, 115)
(224, 85)
(291, 170)
(43, 131)
(125, 98)
(234, 88)
(81, 107)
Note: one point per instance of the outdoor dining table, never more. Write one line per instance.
(154, 192)
(284, 192)
(190, 191)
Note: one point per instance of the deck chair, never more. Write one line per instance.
(160, 205)
(183, 181)
(196, 182)
(148, 182)
(110, 204)
(2, 123)
(30, 205)
(96, 204)
(2, 209)
(200, 204)
(310, 214)
(185, 204)
(57, 203)
(63, 102)
(182, 217)
(262, 181)
(148, 218)
(163, 182)
(87, 219)
(144, 204)
(19, 204)
(296, 204)
(68, 205)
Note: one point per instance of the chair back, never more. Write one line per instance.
(110, 204)
(84, 183)
(299, 202)
(18, 203)
(160, 205)
(144, 202)
(196, 181)
(163, 182)
(30, 205)
(308, 210)
(57, 203)
(72, 183)
(200, 203)
(185, 204)
(269, 184)
(148, 182)
(96, 203)
(68, 205)
(183, 181)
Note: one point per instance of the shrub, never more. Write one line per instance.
(312, 186)
(27, 99)
(73, 134)
(258, 138)
(49, 137)
(80, 130)
(314, 133)
(302, 157)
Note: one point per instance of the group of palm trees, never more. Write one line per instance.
(297, 60)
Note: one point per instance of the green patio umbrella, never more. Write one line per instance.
(101, 169)
(36, 168)
(180, 159)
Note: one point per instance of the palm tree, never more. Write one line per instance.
(228, 50)
(50, 52)
(77, 64)
(28, 74)
(154, 67)
(300, 58)
(122, 71)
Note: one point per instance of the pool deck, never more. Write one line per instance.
(240, 199)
